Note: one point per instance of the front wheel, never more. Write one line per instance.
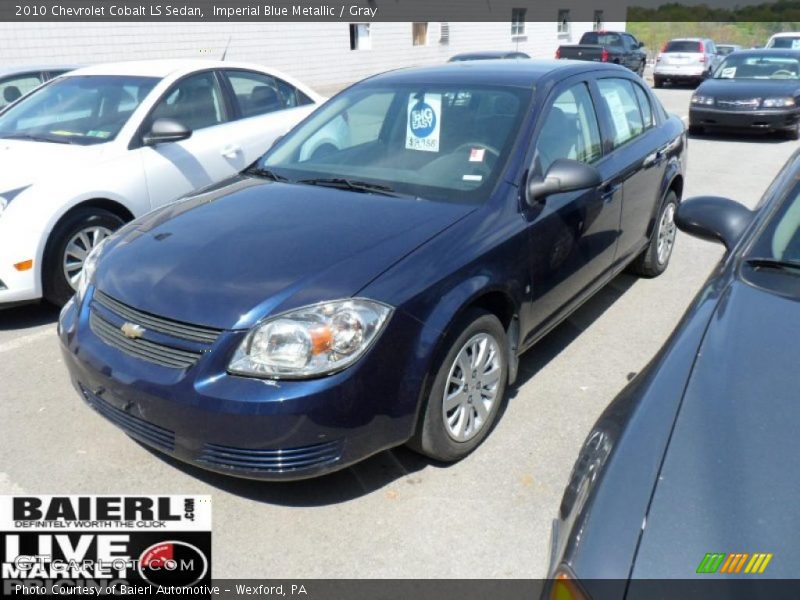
(69, 245)
(793, 133)
(654, 259)
(467, 392)
(658, 82)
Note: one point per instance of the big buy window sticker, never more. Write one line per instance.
(424, 122)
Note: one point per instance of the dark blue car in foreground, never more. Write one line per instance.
(338, 299)
(700, 441)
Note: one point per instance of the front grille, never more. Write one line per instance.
(272, 460)
(133, 426)
(739, 104)
(184, 345)
(149, 351)
(193, 333)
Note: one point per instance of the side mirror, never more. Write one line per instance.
(166, 130)
(564, 175)
(714, 219)
(641, 45)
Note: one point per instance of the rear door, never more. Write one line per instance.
(265, 107)
(178, 168)
(638, 156)
(572, 235)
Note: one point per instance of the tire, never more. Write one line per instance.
(793, 133)
(440, 440)
(654, 259)
(640, 70)
(658, 82)
(696, 130)
(95, 223)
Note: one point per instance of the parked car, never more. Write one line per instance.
(616, 47)
(689, 439)
(755, 90)
(686, 60)
(789, 40)
(101, 145)
(311, 312)
(725, 49)
(15, 82)
(488, 55)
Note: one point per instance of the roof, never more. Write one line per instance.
(4, 71)
(520, 73)
(787, 52)
(487, 54)
(159, 68)
(787, 34)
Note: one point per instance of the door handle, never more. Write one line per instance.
(608, 190)
(230, 151)
(653, 159)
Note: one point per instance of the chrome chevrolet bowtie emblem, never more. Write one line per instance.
(132, 330)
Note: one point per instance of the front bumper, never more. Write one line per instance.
(247, 427)
(758, 120)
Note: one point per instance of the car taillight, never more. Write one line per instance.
(604, 55)
(658, 58)
(702, 48)
(558, 52)
(664, 48)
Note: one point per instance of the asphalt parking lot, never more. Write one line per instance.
(396, 514)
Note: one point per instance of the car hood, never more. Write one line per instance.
(247, 248)
(743, 89)
(729, 482)
(23, 162)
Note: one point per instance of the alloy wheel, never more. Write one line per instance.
(667, 230)
(471, 389)
(78, 248)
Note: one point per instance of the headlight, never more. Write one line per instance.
(703, 100)
(777, 102)
(311, 341)
(89, 266)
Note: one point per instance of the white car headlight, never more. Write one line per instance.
(703, 100)
(778, 102)
(89, 267)
(311, 341)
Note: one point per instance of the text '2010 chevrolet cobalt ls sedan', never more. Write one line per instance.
(323, 306)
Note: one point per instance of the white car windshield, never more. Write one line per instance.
(445, 142)
(82, 110)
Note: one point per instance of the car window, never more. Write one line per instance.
(623, 108)
(604, 39)
(445, 141)
(195, 101)
(13, 88)
(785, 42)
(570, 129)
(88, 109)
(758, 66)
(644, 104)
(683, 46)
(256, 93)
(291, 95)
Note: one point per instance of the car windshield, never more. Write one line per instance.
(442, 142)
(780, 241)
(683, 46)
(785, 42)
(82, 110)
(758, 67)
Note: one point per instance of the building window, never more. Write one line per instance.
(598, 20)
(359, 36)
(518, 21)
(444, 34)
(419, 34)
(563, 21)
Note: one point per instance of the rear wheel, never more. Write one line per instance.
(654, 259)
(69, 245)
(467, 391)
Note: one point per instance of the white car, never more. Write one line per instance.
(787, 39)
(102, 145)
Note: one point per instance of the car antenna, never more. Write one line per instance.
(228, 45)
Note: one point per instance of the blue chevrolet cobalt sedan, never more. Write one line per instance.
(374, 278)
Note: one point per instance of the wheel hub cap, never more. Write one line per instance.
(78, 249)
(666, 234)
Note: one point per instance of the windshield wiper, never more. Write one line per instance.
(350, 184)
(774, 263)
(36, 138)
(265, 173)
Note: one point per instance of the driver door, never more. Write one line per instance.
(209, 155)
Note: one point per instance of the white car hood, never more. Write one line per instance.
(23, 163)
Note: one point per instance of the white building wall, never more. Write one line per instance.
(317, 53)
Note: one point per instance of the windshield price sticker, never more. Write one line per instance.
(105, 545)
(728, 73)
(424, 122)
